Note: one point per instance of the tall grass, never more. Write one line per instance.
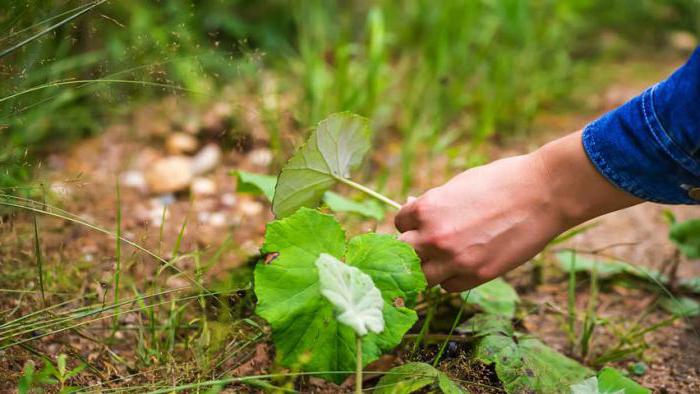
(430, 72)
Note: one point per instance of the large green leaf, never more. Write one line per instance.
(304, 329)
(523, 363)
(686, 235)
(411, 377)
(338, 145)
(495, 296)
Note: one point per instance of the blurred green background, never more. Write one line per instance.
(427, 72)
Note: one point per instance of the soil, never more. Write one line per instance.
(229, 226)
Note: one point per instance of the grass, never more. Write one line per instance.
(443, 81)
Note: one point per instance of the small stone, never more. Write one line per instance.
(683, 41)
(206, 159)
(261, 157)
(133, 179)
(170, 174)
(179, 143)
(228, 199)
(202, 187)
(217, 219)
(60, 189)
(251, 208)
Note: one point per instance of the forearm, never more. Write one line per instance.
(577, 192)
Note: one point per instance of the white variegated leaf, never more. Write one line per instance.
(357, 301)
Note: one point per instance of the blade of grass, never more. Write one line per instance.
(117, 258)
(49, 29)
(39, 261)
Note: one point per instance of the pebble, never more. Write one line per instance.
(170, 174)
(683, 41)
(206, 159)
(179, 143)
(202, 187)
(217, 219)
(261, 157)
(133, 179)
(60, 189)
(251, 208)
(228, 199)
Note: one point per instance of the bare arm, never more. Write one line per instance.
(490, 219)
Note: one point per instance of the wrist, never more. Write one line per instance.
(576, 190)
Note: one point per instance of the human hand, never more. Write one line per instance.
(490, 219)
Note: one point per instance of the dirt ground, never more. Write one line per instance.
(83, 182)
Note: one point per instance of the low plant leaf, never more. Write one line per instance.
(523, 363)
(411, 377)
(495, 296)
(337, 146)
(608, 381)
(264, 185)
(686, 236)
(357, 301)
(605, 268)
(683, 306)
(305, 332)
(248, 182)
(368, 208)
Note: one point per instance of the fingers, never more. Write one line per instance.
(407, 219)
(436, 272)
(460, 283)
(411, 238)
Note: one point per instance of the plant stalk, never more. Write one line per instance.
(358, 369)
(378, 196)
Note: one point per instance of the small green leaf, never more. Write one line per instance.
(605, 268)
(411, 377)
(260, 184)
(683, 307)
(686, 235)
(304, 329)
(368, 208)
(610, 380)
(496, 297)
(357, 301)
(337, 146)
(523, 363)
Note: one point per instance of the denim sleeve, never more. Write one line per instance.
(650, 146)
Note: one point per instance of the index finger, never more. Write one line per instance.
(406, 219)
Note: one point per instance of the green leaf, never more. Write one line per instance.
(496, 297)
(610, 380)
(259, 184)
(605, 268)
(337, 146)
(523, 363)
(411, 377)
(684, 306)
(304, 329)
(691, 284)
(686, 236)
(357, 300)
(368, 208)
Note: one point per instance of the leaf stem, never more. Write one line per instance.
(369, 191)
(358, 369)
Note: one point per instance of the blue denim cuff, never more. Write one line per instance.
(653, 159)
